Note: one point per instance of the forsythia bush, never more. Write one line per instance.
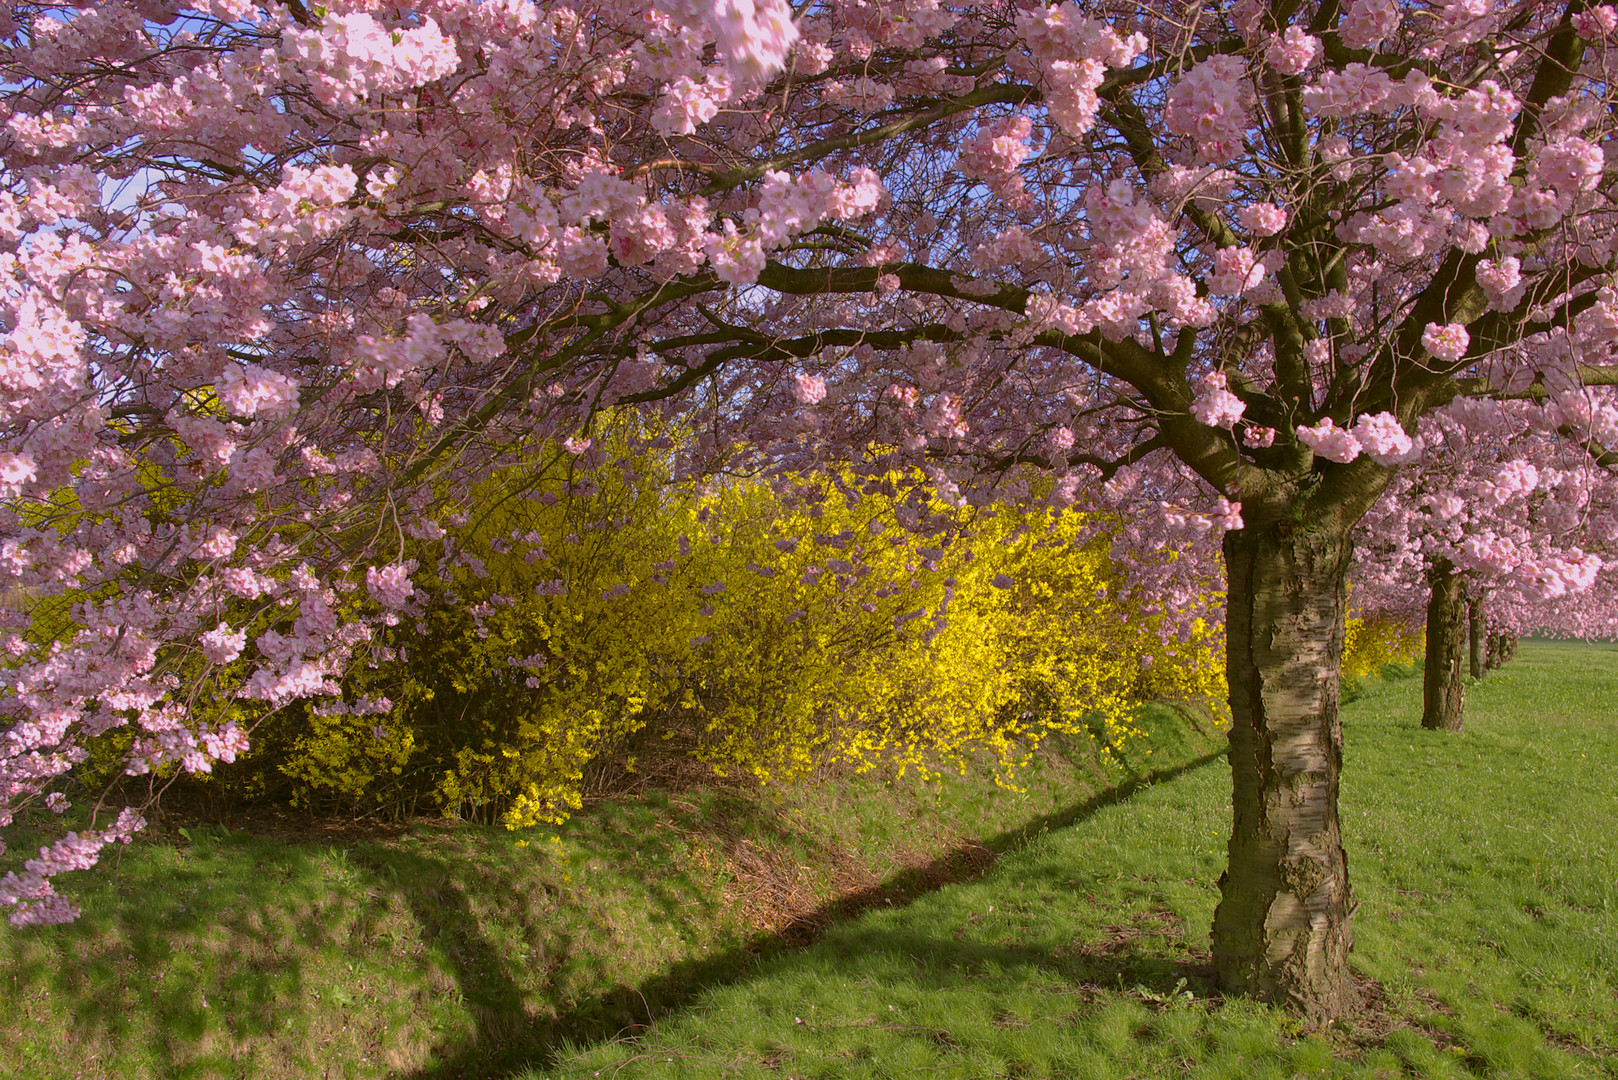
(837, 635)
(591, 616)
(1374, 641)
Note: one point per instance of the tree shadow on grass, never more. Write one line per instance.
(132, 982)
(448, 923)
(509, 1037)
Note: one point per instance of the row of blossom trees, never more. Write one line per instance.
(282, 283)
(1491, 533)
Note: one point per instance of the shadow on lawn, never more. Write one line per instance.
(508, 1037)
(149, 960)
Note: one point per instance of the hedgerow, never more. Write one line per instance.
(591, 621)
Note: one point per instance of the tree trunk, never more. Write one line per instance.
(1477, 632)
(1508, 646)
(1281, 932)
(1443, 693)
(1491, 658)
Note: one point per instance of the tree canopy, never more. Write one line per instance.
(281, 281)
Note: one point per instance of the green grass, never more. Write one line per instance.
(1486, 864)
(453, 950)
(652, 939)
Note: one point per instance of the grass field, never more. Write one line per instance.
(1486, 865)
(653, 939)
(449, 950)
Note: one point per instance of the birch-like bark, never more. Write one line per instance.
(1282, 931)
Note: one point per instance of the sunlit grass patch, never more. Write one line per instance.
(1486, 864)
(1072, 942)
(449, 950)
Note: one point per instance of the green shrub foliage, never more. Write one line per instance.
(591, 620)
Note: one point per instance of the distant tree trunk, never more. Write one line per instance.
(1282, 931)
(1502, 647)
(1443, 692)
(1478, 632)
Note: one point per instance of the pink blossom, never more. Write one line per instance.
(1010, 247)
(1369, 22)
(1501, 280)
(1596, 22)
(1235, 272)
(30, 893)
(943, 418)
(1567, 163)
(1446, 341)
(687, 104)
(219, 544)
(1513, 478)
(860, 195)
(1073, 53)
(808, 389)
(1214, 404)
(1208, 105)
(811, 57)
(1073, 101)
(863, 94)
(1262, 219)
(353, 54)
(308, 204)
(1227, 516)
(1291, 52)
(252, 469)
(244, 583)
(581, 254)
(390, 585)
(1382, 437)
(736, 258)
(1329, 441)
(251, 390)
(754, 36)
(221, 645)
(640, 237)
(1448, 506)
(17, 470)
(995, 152)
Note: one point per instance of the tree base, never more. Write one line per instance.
(1320, 1001)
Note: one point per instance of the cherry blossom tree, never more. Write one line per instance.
(281, 281)
(1502, 512)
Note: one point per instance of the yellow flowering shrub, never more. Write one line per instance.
(527, 666)
(588, 618)
(1374, 641)
(835, 634)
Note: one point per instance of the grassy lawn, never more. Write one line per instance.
(459, 951)
(1486, 864)
(959, 930)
